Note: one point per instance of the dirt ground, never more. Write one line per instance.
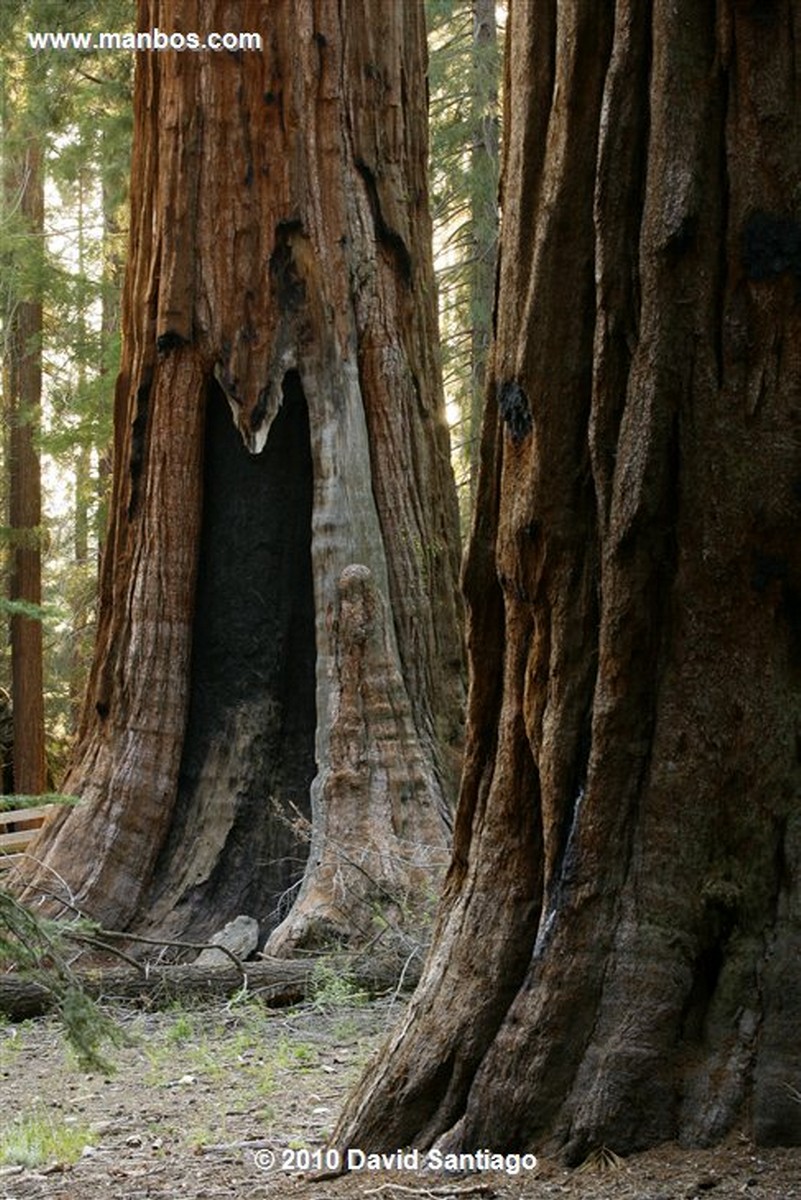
(208, 1103)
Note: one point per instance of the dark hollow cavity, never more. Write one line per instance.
(252, 711)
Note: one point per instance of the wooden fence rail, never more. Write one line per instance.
(17, 829)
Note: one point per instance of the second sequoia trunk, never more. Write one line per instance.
(616, 960)
(279, 434)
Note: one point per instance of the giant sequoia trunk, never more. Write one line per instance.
(617, 957)
(280, 275)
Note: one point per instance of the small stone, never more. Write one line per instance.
(240, 936)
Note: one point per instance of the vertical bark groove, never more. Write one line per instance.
(647, 245)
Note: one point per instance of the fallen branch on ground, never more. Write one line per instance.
(277, 982)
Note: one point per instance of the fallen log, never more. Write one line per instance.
(276, 982)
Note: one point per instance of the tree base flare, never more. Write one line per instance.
(380, 832)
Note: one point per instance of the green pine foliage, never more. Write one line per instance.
(13, 800)
(79, 104)
(464, 79)
(39, 949)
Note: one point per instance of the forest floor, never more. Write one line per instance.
(207, 1103)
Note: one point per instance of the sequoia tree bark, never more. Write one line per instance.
(617, 956)
(280, 272)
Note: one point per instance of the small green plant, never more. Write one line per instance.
(265, 1116)
(333, 986)
(204, 1059)
(290, 1054)
(182, 1029)
(304, 1056)
(263, 1080)
(10, 1046)
(35, 1138)
(243, 1044)
(159, 1060)
(346, 1028)
(205, 1134)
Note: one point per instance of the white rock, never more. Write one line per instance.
(240, 936)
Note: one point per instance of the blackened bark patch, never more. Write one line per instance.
(385, 235)
(169, 340)
(514, 408)
(681, 239)
(771, 246)
(287, 285)
(791, 611)
(761, 12)
(257, 413)
(252, 712)
(767, 569)
(136, 461)
(706, 974)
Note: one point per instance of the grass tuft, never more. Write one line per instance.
(35, 1138)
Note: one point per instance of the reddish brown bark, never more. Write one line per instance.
(616, 961)
(24, 193)
(280, 270)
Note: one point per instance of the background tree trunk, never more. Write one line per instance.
(484, 167)
(616, 961)
(24, 199)
(6, 744)
(281, 272)
(464, 77)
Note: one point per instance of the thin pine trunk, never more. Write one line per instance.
(24, 192)
(483, 215)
